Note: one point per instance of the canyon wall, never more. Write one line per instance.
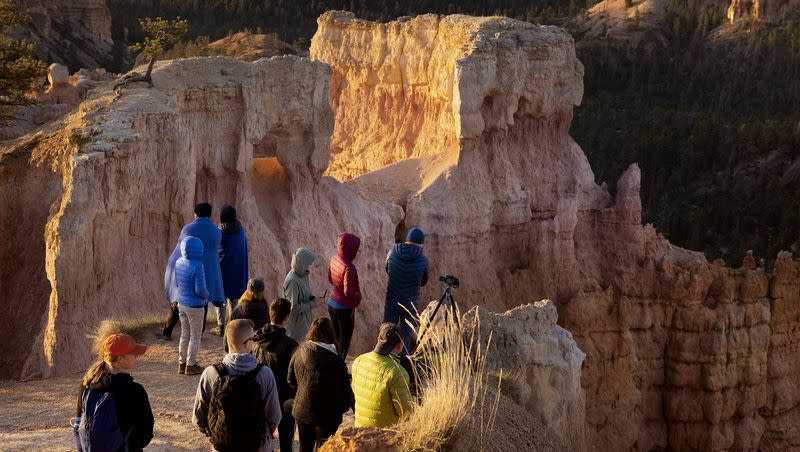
(95, 203)
(73, 32)
(682, 353)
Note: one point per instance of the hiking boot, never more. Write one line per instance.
(181, 369)
(194, 370)
(163, 337)
(218, 331)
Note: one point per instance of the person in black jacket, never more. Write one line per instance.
(319, 377)
(274, 349)
(117, 356)
(252, 305)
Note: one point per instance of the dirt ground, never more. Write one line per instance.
(36, 413)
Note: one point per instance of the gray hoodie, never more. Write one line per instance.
(239, 364)
(297, 290)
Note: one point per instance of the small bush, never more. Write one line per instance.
(134, 327)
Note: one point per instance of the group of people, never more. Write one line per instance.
(283, 369)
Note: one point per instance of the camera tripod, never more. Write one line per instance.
(446, 299)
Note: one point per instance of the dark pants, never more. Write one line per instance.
(172, 319)
(343, 321)
(310, 435)
(403, 315)
(286, 432)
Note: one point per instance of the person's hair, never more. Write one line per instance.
(249, 295)
(203, 209)
(279, 310)
(236, 332)
(100, 370)
(321, 331)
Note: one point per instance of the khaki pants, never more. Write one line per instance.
(191, 333)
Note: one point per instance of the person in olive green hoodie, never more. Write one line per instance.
(297, 289)
(380, 384)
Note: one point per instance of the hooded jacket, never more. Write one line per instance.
(190, 275)
(232, 254)
(297, 290)
(274, 349)
(407, 268)
(342, 273)
(319, 377)
(133, 408)
(239, 364)
(208, 233)
(255, 310)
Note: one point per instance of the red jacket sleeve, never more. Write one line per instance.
(351, 290)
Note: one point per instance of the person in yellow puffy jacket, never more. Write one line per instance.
(380, 384)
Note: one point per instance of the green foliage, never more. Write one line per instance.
(160, 35)
(713, 125)
(18, 66)
(297, 19)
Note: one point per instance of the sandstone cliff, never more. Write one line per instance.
(695, 355)
(73, 32)
(96, 202)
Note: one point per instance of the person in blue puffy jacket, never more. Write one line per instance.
(204, 229)
(192, 296)
(407, 267)
(232, 260)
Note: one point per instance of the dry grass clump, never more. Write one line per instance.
(454, 384)
(133, 326)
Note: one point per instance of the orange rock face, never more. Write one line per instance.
(681, 353)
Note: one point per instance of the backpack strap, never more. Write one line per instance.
(254, 373)
(221, 370)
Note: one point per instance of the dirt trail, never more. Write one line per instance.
(36, 413)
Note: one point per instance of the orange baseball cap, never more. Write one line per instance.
(121, 344)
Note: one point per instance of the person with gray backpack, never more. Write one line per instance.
(113, 411)
(236, 405)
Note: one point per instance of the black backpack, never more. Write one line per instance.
(236, 420)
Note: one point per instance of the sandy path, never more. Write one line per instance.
(36, 413)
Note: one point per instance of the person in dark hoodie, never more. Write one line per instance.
(319, 377)
(232, 260)
(274, 348)
(346, 294)
(203, 228)
(407, 267)
(252, 305)
(116, 357)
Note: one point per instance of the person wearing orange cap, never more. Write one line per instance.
(113, 411)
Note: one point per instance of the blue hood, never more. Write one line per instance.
(407, 253)
(192, 248)
(239, 363)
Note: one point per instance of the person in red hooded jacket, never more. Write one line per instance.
(346, 295)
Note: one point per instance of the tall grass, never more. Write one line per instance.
(452, 379)
(133, 326)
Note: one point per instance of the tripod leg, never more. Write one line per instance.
(430, 320)
(454, 308)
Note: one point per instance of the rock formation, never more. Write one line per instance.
(693, 353)
(61, 96)
(95, 203)
(457, 125)
(541, 362)
(73, 32)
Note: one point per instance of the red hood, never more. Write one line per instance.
(348, 245)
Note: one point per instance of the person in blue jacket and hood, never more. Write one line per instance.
(407, 267)
(204, 229)
(232, 258)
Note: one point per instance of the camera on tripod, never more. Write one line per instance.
(450, 280)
